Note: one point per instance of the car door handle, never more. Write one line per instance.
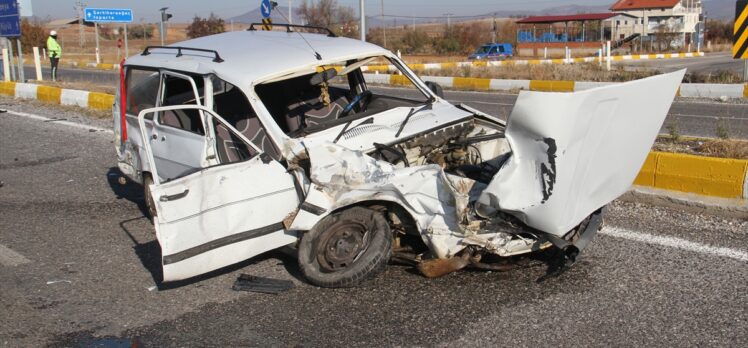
(166, 198)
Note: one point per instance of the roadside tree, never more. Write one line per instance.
(205, 26)
(32, 35)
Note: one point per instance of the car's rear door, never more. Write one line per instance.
(178, 134)
(222, 214)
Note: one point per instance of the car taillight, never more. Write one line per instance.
(122, 100)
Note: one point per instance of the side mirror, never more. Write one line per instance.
(436, 88)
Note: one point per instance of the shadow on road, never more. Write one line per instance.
(130, 191)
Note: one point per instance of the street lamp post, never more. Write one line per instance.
(363, 20)
(164, 17)
(449, 19)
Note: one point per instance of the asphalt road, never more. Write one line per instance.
(710, 63)
(79, 267)
(690, 117)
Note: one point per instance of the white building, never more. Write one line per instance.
(653, 18)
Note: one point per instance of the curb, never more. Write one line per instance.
(484, 63)
(689, 202)
(690, 90)
(100, 66)
(477, 63)
(55, 95)
(706, 176)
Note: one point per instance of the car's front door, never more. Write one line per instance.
(222, 214)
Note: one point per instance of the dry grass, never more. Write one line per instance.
(723, 148)
(573, 72)
(720, 47)
(728, 148)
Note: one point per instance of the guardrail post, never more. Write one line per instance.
(6, 65)
(37, 64)
(607, 46)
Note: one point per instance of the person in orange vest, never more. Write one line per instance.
(55, 52)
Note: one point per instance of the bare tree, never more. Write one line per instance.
(328, 14)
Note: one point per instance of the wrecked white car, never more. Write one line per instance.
(250, 141)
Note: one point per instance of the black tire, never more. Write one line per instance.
(150, 205)
(346, 248)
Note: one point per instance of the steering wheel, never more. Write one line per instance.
(359, 102)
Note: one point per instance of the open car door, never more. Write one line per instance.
(224, 213)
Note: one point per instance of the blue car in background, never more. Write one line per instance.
(492, 51)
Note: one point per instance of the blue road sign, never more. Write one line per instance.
(108, 15)
(265, 8)
(10, 21)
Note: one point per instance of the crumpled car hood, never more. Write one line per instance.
(573, 153)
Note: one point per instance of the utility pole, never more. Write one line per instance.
(449, 19)
(290, 11)
(79, 6)
(362, 29)
(493, 36)
(384, 27)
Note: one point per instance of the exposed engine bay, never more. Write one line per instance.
(473, 149)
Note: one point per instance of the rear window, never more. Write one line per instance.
(142, 90)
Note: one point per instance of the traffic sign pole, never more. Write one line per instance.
(21, 77)
(127, 51)
(9, 44)
(96, 34)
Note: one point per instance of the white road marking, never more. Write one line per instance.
(62, 122)
(676, 243)
(11, 258)
(711, 117)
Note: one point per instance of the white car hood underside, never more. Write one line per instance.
(573, 153)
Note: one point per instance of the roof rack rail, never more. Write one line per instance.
(179, 49)
(289, 26)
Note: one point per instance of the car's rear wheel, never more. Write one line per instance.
(149, 203)
(346, 248)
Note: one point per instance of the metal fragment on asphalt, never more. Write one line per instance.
(58, 281)
(247, 282)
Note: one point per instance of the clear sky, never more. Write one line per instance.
(184, 10)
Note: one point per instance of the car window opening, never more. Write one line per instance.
(232, 105)
(312, 102)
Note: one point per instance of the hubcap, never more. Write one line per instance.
(341, 245)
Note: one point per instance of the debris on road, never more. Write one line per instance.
(247, 282)
(58, 281)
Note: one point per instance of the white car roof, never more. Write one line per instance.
(249, 56)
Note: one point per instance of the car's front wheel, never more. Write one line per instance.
(346, 248)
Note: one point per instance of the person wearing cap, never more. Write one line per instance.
(55, 51)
